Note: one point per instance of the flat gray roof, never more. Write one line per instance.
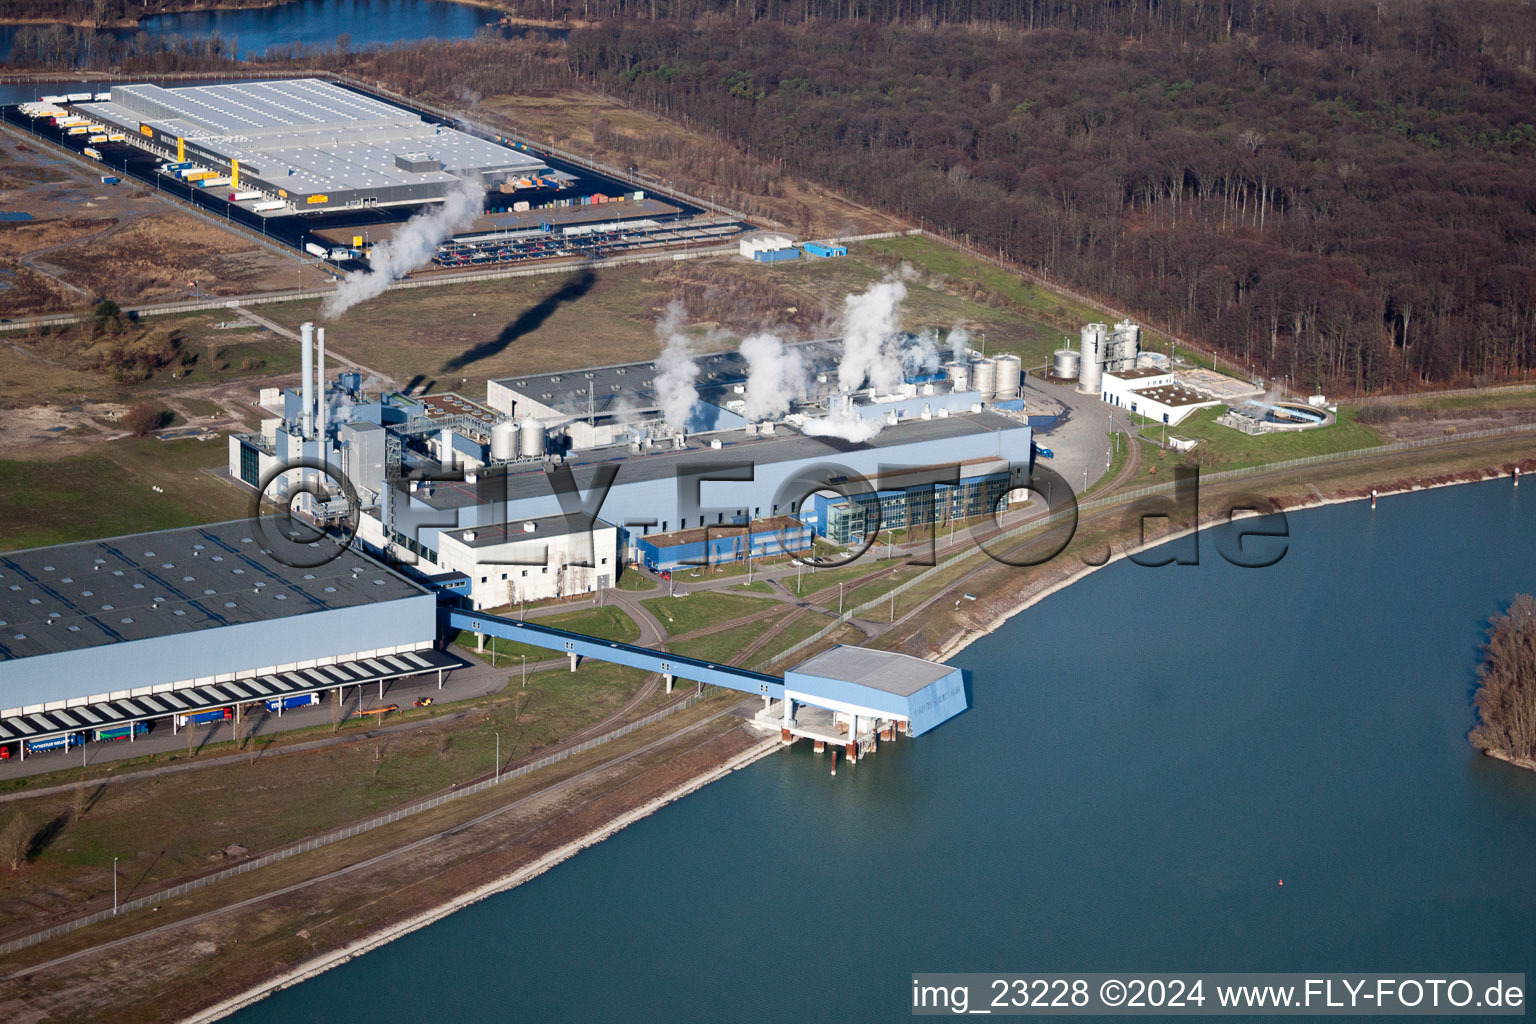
(307, 135)
(524, 480)
(75, 596)
(632, 385)
(543, 526)
(888, 671)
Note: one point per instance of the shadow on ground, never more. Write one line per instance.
(527, 322)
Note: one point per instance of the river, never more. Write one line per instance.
(313, 23)
(1149, 753)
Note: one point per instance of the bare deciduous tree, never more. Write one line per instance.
(1506, 694)
(15, 839)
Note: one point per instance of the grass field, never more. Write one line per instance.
(695, 611)
(109, 492)
(270, 801)
(1224, 448)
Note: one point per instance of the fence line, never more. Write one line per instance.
(337, 835)
(1127, 496)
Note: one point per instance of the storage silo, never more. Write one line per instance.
(1065, 364)
(984, 378)
(1092, 358)
(958, 375)
(530, 439)
(1010, 377)
(504, 441)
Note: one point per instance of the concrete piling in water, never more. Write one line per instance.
(834, 760)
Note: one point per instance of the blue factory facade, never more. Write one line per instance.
(736, 542)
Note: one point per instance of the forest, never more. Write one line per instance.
(1356, 217)
(1334, 191)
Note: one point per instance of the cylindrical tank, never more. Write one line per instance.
(1064, 366)
(958, 373)
(504, 441)
(530, 439)
(1091, 359)
(1010, 376)
(984, 378)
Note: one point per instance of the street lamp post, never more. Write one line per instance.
(114, 886)
(498, 758)
(525, 670)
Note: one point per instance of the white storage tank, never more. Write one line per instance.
(530, 439)
(958, 374)
(984, 378)
(1064, 365)
(1092, 358)
(1010, 377)
(504, 441)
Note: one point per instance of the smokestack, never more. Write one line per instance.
(307, 370)
(320, 410)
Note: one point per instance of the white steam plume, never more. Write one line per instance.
(959, 343)
(920, 353)
(411, 246)
(676, 372)
(775, 376)
(849, 426)
(870, 350)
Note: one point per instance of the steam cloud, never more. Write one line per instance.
(849, 426)
(959, 343)
(413, 245)
(775, 376)
(871, 351)
(676, 371)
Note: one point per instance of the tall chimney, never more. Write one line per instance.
(307, 372)
(320, 389)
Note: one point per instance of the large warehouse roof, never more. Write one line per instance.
(76, 596)
(310, 136)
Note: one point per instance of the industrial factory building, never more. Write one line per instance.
(306, 144)
(450, 485)
(104, 634)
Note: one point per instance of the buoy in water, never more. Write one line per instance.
(1282, 882)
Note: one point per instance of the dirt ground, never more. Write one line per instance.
(78, 240)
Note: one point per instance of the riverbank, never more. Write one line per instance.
(525, 873)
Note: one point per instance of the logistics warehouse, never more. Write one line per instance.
(308, 144)
(100, 635)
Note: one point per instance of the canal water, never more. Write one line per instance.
(366, 23)
(1148, 754)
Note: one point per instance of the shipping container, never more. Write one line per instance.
(79, 130)
(116, 137)
(110, 179)
(99, 137)
(78, 97)
(825, 251)
(103, 97)
(174, 167)
(212, 715)
(65, 742)
(213, 183)
(316, 250)
(297, 701)
(269, 205)
(122, 732)
(94, 154)
(240, 197)
(200, 176)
